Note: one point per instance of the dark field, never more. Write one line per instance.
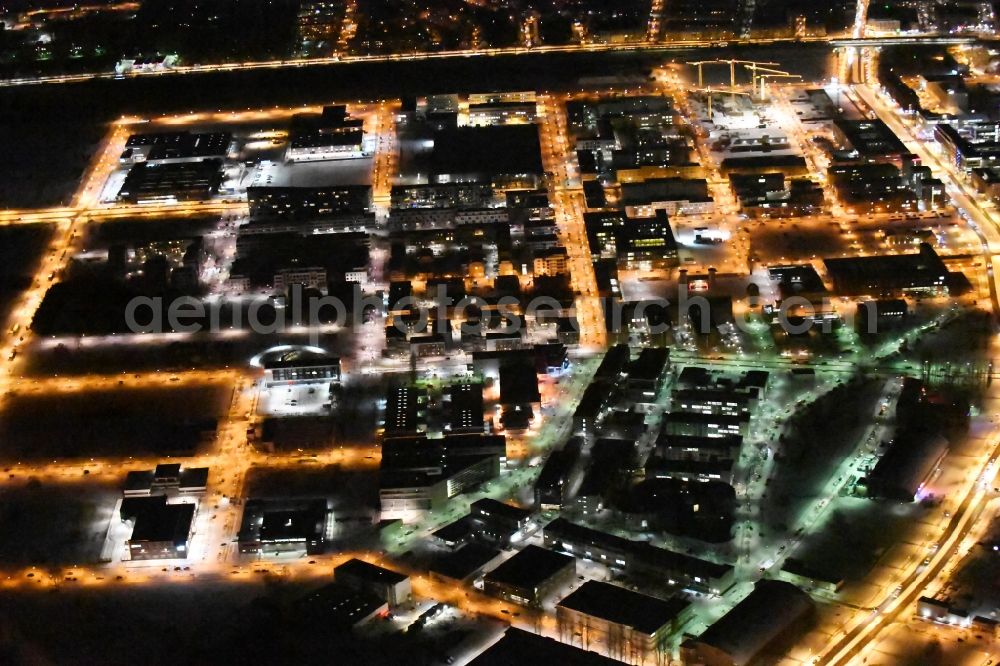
(56, 523)
(111, 423)
(170, 355)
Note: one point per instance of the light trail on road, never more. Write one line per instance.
(589, 48)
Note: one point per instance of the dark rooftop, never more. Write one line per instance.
(466, 411)
(167, 470)
(662, 466)
(662, 558)
(182, 145)
(368, 572)
(159, 521)
(492, 507)
(921, 270)
(621, 606)
(518, 384)
(910, 459)
(698, 417)
(649, 365)
(494, 150)
(765, 614)
(693, 375)
(464, 562)
(338, 606)
(796, 280)
(871, 138)
(456, 530)
(280, 521)
(138, 480)
(521, 647)
(613, 363)
(726, 443)
(194, 477)
(530, 567)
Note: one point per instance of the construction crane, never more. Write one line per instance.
(763, 82)
(710, 92)
(764, 74)
(749, 64)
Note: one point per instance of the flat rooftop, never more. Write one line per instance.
(650, 364)
(521, 647)
(668, 560)
(340, 606)
(621, 606)
(493, 150)
(530, 567)
(456, 530)
(921, 269)
(464, 562)
(276, 521)
(369, 572)
(156, 521)
(492, 507)
(518, 384)
(871, 138)
(797, 279)
(770, 610)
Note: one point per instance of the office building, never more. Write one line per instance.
(530, 576)
(419, 474)
(384, 583)
(496, 522)
(466, 563)
(553, 487)
(160, 531)
(330, 135)
(645, 243)
(630, 625)
(698, 424)
(911, 460)
(166, 478)
(273, 526)
(308, 202)
(301, 368)
(638, 557)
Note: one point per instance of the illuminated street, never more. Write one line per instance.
(688, 358)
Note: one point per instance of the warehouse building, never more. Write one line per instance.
(160, 531)
(521, 647)
(772, 612)
(384, 583)
(889, 274)
(630, 625)
(283, 526)
(912, 459)
(530, 576)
